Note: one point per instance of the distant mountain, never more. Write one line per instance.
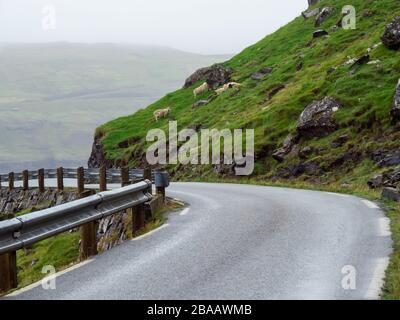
(52, 96)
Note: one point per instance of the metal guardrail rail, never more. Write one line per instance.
(26, 230)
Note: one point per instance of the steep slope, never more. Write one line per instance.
(281, 76)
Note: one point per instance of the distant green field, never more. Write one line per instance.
(53, 96)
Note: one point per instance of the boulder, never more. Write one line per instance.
(215, 76)
(310, 13)
(395, 112)
(391, 194)
(360, 61)
(260, 74)
(391, 36)
(306, 152)
(316, 119)
(281, 153)
(320, 33)
(200, 103)
(376, 181)
(325, 13)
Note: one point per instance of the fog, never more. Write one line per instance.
(201, 26)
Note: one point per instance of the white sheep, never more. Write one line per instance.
(161, 113)
(203, 88)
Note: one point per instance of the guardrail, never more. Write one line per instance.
(24, 231)
(101, 176)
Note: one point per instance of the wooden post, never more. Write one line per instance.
(80, 174)
(60, 179)
(161, 191)
(138, 218)
(147, 176)
(11, 181)
(124, 176)
(88, 234)
(103, 178)
(41, 180)
(25, 178)
(8, 271)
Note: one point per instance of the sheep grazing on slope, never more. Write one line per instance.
(162, 113)
(230, 85)
(203, 88)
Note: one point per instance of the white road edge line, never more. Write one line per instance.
(184, 212)
(370, 204)
(339, 194)
(377, 282)
(150, 233)
(55, 276)
(384, 227)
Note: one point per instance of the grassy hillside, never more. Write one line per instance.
(366, 95)
(52, 96)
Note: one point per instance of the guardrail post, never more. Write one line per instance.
(103, 178)
(138, 218)
(60, 179)
(41, 180)
(11, 181)
(88, 234)
(161, 191)
(25, 178)
(147, 176)
(8, 271)
(125, 176)
(80, 173)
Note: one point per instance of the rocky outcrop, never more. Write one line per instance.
(317, 118)
(337, 143)
(313, 2)
(391, 194)
(281, 153)
(200, 103)
(320, 33)
(391, 36)
(215, 76)
(16, 200)
(325, 13)
(98, 157)
(310, 13)
(260, 74)
(395, 112)
(386, 158)
(390, 178)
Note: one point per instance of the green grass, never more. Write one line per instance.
(367, 96)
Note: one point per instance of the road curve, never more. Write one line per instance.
(242, 242)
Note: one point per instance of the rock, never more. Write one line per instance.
(280, 154)
(306, 152)
(339, 141)
(97, 157)
(215, 76)
(391, 36)
(375, 181)
(260, 74)
(296, 170)
(275, 90)
(359, 62)
(323, 15)
(320, 33)
(313, 2)
(395, 112)
(316, 119)
(299, 66)
(391, 159)
(310, 13)
(391, 194)
(368, 13)
(200, 103)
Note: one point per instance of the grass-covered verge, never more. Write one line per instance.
(62, 251)
(391, 290)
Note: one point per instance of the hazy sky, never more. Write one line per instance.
(203, 26)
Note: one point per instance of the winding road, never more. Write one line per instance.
(242, 242)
